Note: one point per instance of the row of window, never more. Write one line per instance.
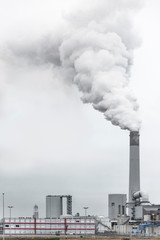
(7, 225)
(49, 220)
(119, 210)
(44, 226)
(44, 232)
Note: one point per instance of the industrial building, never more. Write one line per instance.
(143, 217)
(55, 205)
(117, 202)
(62, 225)
(54, 223)
(137, 199)
(117, 206)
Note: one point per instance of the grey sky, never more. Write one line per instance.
(52, 143)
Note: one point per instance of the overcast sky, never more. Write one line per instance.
(52, 143)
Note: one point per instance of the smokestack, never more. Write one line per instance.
(134, 168)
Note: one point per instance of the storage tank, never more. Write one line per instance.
(53, 206)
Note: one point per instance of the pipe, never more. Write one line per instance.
(140, 194)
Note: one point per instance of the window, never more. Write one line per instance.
(119, 209)
(123, 210)
(7, 225)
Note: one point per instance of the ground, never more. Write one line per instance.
(47, 237)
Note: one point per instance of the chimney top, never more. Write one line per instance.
(134, 138)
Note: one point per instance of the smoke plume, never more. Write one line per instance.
(95, 51)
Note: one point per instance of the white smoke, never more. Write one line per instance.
(95, 53)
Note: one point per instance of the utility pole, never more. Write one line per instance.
(10, 208)
(3, 216)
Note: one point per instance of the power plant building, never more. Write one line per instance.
(143, 217)
(117, 206)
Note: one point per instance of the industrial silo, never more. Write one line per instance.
(53, 206)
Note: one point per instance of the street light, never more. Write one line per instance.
(10, 208)
(3, 215)
(85, 209)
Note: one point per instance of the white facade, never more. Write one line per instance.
(53, 206)
(117, 206)
(135, 231)
(31, 226)
(123, 229)
(103, 224)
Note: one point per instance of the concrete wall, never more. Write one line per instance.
(53, 206)
(134, 166)
(139, 212)
(128, 230)
(116, 205)
(123, 229)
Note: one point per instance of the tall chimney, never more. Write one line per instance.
(134, 166)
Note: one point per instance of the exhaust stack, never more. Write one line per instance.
(134, 166)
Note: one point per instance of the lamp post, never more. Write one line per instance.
(85, 209)
(3, 215)
(10, 208)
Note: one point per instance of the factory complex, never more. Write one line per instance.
(143, 217)
(137, 216)
(54, 223)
